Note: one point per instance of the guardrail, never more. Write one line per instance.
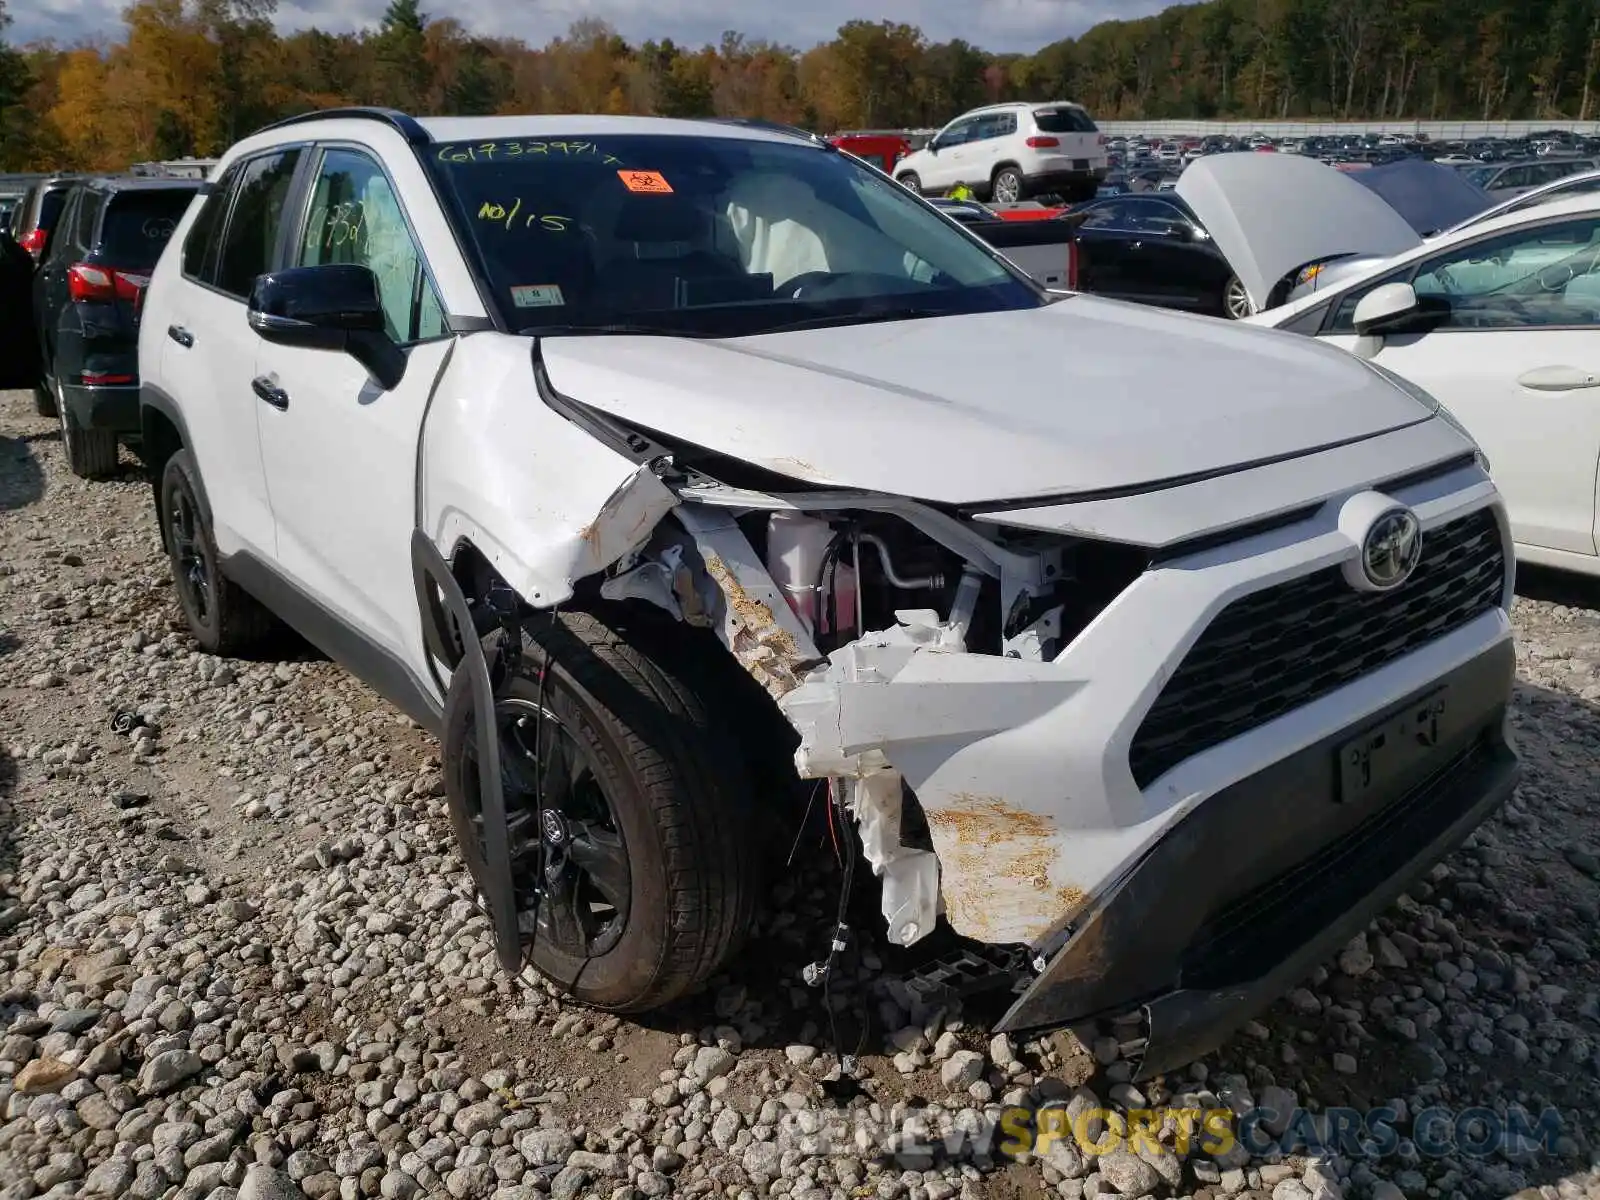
(1434, 130)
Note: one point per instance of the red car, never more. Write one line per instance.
(881, 150)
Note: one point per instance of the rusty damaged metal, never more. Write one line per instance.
(996, 867)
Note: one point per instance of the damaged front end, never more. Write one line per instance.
(1061, 749)
(1101, 740)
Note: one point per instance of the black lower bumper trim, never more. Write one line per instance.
(104, 406)
(1271, 876)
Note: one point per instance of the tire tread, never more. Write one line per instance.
(688, 772)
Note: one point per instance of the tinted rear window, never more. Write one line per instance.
(138, 224)
(1064, 120)
(50, 205)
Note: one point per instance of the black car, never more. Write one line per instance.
(87, 297)
(1150, 248)
(36, 212)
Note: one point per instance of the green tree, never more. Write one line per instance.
(400, 73)
(17, 135)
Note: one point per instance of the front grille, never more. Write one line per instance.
(1286, 645)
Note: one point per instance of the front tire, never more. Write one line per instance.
(1236, 303)
(623, 798)
(911, 181)
(222, 617)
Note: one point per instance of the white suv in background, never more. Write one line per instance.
(1008, 152)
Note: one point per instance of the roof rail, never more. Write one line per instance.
(770, 126)
(406, 125)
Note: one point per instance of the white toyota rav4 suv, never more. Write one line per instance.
(1009, 152)
(660, 468)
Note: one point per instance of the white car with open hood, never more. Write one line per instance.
(1289, 225)
(1499, 319)
(669, 469)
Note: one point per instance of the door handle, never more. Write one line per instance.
(1558, 379)
(180, 335)
(270, 392)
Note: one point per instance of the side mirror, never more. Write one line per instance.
(1385, 307)
(332, 307)
(933, 145)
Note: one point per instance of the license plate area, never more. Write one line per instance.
(1393, 749)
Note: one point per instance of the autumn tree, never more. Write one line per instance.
(191, 76)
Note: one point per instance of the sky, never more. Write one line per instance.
(997, 25)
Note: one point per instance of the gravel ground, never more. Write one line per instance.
(240, 959)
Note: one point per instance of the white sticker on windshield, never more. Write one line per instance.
(537, 295)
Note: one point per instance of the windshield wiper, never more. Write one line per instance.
(858, 318)
(616, 328)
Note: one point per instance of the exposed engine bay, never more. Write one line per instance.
(813, 589)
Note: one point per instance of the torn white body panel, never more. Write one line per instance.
(490, 451)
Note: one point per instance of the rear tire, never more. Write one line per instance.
(44, 403)
(1007, 186)
(222, 617)
(911, 182)
(672, 788)
(91, 453)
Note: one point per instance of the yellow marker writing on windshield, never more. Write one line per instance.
(501, 214)
(500, 151)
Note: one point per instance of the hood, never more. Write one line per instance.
(1270, 214)
(1078, 396)
(1428, 196)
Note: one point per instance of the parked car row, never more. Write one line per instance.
(91, 242)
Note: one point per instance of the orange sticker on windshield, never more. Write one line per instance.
(645, 181)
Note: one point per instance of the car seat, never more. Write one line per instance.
(662, 254)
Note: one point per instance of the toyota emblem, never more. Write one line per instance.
(555, 830)
(1392, 549)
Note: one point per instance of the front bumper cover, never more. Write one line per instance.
(1269, 877)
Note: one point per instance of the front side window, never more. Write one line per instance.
(959, 133)
(1540, 277)
(708, 236)
(356, 219)
(1548, 275)
(254, 220)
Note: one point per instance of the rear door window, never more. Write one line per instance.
(200, 244)
(138, 225)
(1064, 120)
(249, 246)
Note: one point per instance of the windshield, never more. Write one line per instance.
(709, 237)
(138, 225)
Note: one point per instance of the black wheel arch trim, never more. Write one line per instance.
(438, 590)
(157, 400)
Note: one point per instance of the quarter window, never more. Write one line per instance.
(250, 244)
(200, 244)
(355, 218)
